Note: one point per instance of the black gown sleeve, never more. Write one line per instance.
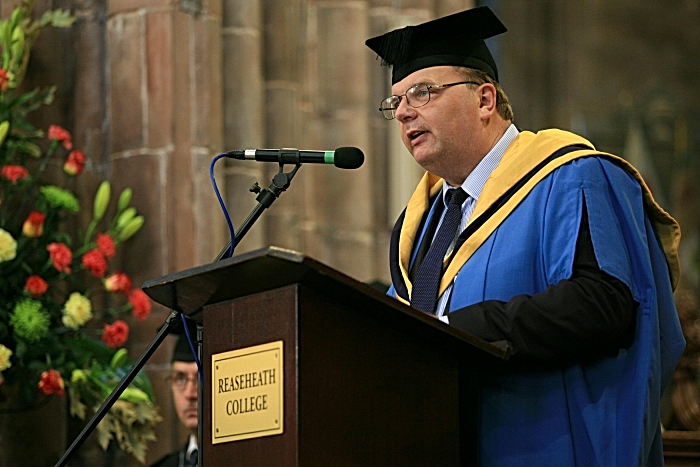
(589, 316)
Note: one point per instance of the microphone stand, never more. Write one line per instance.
(265, 198)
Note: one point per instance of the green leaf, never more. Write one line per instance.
(32, 100)
(20, 349)
(6, 36)
(57, 19)
(26, 147)
(85, 349)
(104, 435)
(15, 17)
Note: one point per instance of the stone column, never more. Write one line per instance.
(341, 218)
(244, 112)
(285, 25)
(164, 98)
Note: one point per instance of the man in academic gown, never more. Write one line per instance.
(537, 239)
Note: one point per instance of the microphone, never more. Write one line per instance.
(344, 158)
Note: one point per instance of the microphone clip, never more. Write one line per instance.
(280, 183)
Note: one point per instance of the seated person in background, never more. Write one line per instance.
(184, 385)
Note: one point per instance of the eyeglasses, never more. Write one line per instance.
(180, 380)
(416, 96)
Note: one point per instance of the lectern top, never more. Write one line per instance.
(191, 290)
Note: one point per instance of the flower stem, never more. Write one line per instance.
(88, 234)
(35, 179)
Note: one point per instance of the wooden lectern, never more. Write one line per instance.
(367, 380)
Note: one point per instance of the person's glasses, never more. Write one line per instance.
(180, 380)
(417, 96)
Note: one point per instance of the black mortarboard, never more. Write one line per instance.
(457, 39)
(182, 351)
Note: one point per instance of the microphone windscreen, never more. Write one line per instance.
(348, 158)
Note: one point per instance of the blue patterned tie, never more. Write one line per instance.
(425, 286)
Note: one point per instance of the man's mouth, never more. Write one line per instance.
(414, 134)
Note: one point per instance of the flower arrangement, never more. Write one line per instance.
(55, 279)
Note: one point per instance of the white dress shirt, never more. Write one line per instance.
(473, 185)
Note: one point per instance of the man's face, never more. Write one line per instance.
(443, 135)
(185, 396)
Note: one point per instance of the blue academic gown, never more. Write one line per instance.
(602, 413)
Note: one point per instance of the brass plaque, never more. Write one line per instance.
(247, 393)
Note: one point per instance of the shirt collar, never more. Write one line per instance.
(191, 446)
(476, 180)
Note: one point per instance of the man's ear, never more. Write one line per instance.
(487, 100)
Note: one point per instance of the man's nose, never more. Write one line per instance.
(404, 111)
(191, 387)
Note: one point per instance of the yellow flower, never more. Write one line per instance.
(5, 355)
(8, 246)
(77, 311)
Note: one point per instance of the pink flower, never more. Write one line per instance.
(95, 262)
(34, 224)
(141, 304)
(14, 172)
(115, 335)
(75, 163)
(61, 135)
(105, 244)
(118, 283)
(36, 285)
(61, 256)
(51, 382)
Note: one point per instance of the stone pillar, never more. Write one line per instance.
(165, 113)
(284, 58)
(341, 219)
(244, 112)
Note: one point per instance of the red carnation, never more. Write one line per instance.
(4, 80)
(60, 134)
(34, 224)
(141, 303)
(95, 262)
(105, 244)
(36, 285)
(75, 163)
(118, 283)
(14, 172)
(114, 335)
(61, 256)
(51, 382)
